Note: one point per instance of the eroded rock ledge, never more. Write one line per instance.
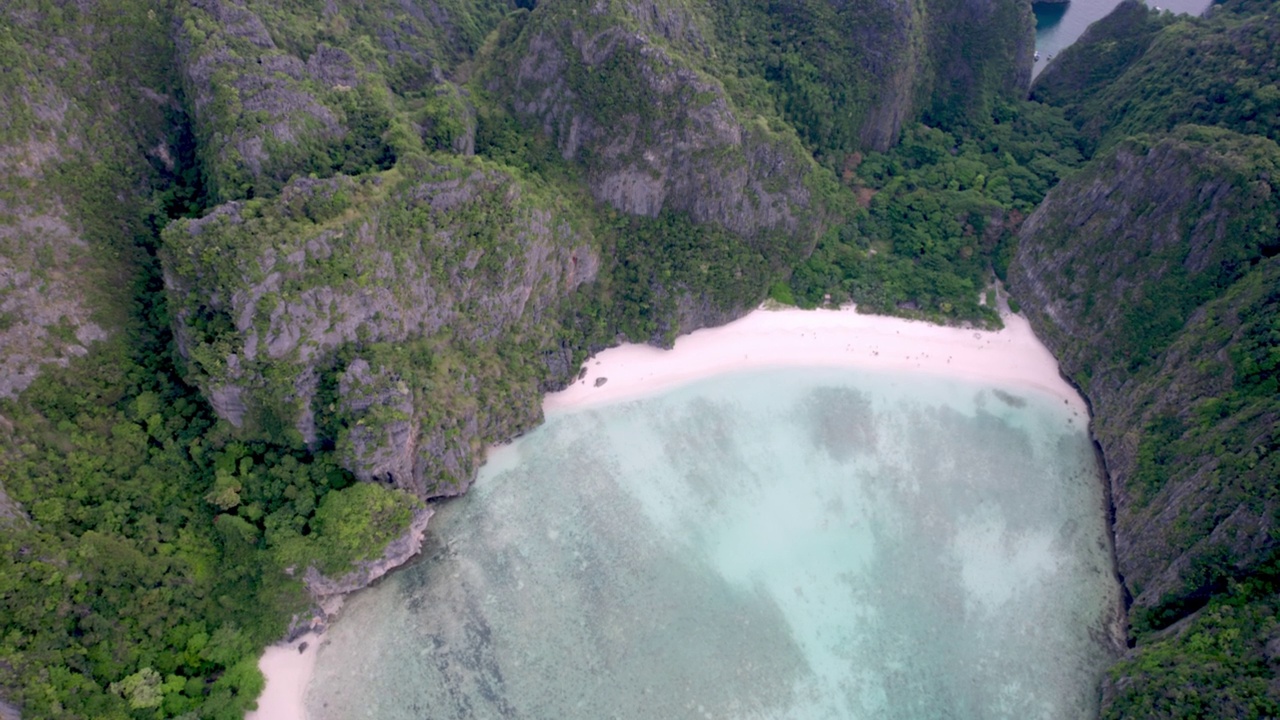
(330, 592)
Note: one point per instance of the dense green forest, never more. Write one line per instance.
(270, 239)
(936, 216)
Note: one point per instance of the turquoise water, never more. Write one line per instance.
(783, 544)
(1060, 24)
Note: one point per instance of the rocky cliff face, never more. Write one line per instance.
(373, 312)
(850, 75)
(1152, 276)
(980, 53)
(276, 93)
(622, 90)
(328, 593)
(84, 138)
(263, 114)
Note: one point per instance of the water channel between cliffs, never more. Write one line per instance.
(773, 543)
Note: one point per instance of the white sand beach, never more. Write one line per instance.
(766, 338)
(1010, 358)
(288, 671)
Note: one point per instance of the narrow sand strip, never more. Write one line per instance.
(288, 671)
(1010, 358)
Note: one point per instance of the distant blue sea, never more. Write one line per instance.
(1059, 25)
(801, 544)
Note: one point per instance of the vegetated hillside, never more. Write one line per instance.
(846, 76)
(314, 87)
(82, 142)
(129, 589)
(1142, 71)
(851, 76)
(1124, 268)
(936, 218)
(1152, 274)
(399, 315)
(622, 93)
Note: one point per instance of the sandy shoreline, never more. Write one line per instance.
(1011, 358)
(288, 672)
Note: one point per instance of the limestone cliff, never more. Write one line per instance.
(84, 137)
(1143, 274)
(376, 312)
(261, 113)
(623, 91)
(276, 93)
(850, 75)
(329, 592)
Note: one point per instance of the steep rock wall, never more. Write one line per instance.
(850, 75)
(1151, 274)
(261, 113)
(980, 53)
(85, 136)
(396, 315)
(277, 92)
(620, 90)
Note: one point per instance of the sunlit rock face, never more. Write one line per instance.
(782, 544)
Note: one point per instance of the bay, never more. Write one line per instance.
(1060, 24)
(792, 543)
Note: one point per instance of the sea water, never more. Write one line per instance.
(781, 544)
(1059, 24)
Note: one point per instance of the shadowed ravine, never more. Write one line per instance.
(798, 544)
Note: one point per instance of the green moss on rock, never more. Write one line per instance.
(453, 259)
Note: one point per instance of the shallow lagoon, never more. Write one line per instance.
(783, 544)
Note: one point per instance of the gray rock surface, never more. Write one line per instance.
(328, 592)
(402, 302)
(262, 114)
(652, 130)
(379, 450)
(84, 138)
(1099, 263)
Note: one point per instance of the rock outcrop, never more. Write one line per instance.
(616, 88)
(276, 94)
(851, 75)
(263, 114)
(1152, 276)
(329, 593)
(375, 313)
(83, 139)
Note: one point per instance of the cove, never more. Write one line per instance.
(773, 543)
(1061, 24)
